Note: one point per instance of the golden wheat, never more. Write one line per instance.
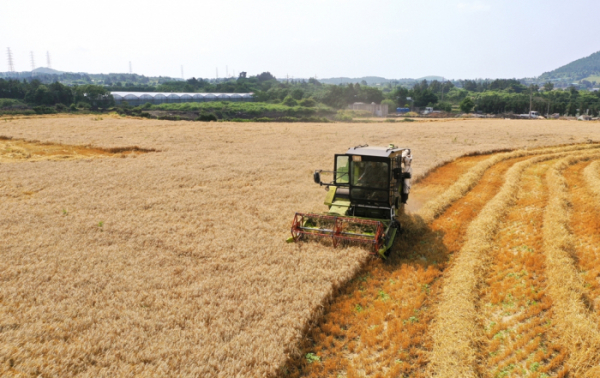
(173, 263)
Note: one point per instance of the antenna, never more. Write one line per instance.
(182, 78)
(32, 62)
(130, 70)
(11, 66)
(49, 64)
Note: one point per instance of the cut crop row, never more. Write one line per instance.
(514, 309)
(585, 226)
(455, 332)
(466, 182)
(578, 327)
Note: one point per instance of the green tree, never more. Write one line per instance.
(391, 105)
(307, 102)
(289, 101)
(548, 86)
(467, 105)
(425, 97)
(444, 106)
(95, 95)
(297, 93)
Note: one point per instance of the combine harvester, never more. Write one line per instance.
(370, 185)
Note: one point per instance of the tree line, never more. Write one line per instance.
(35, 93)
(486, 96)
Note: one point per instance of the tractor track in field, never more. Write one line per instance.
(483, 289)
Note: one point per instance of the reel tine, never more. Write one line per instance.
(340, 229)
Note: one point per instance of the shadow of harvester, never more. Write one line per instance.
(378, 319)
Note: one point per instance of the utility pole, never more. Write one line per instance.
(49, 64)
(11, 66)
(182, 72)
(226, 71)
(443, 80)
(32, 63)
(217, 74)
(530, 99)
(130, 70)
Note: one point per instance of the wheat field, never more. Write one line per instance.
(162, 251)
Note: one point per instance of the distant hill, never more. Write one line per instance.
(430, 78)
(47, 71)
(581, 69)
(373, 80)
(49, 75)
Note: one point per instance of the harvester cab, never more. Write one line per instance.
(369, 187)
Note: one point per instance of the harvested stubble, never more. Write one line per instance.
(592, 178)
(378, 324)
(455, 332)
(585, 225)
(174, 263)
(435, 207)
(577, 324)
(515, 310)
(12, 150)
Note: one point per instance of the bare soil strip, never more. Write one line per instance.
(514, 306)
(378, 324)
(577, 324)
(456, 333)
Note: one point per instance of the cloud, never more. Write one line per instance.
(474, 6)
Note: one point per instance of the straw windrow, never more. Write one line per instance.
(592, 178)
(455, 333)
(578, 325)
(435, 207)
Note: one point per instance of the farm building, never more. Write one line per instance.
(140, 98)
(378, 110)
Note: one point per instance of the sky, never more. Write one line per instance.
(462, 39)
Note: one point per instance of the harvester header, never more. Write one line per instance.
(369, 186)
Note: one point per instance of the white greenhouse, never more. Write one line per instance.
(140, 98)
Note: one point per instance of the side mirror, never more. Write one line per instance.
(317, 177)
(406, 175)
